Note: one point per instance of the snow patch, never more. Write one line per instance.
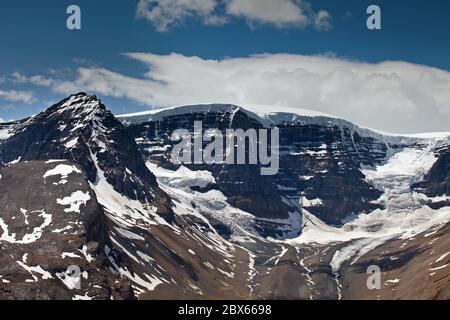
(183, 177)
(62, 170)
(27, 238)
(442, 257)
(38, 269)
(5, 133)
(75, 201)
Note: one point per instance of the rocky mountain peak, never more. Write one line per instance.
(80, 104)
(82, 130)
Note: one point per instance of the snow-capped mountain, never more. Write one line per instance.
(82, 187)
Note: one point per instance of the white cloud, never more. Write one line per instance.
(36, 80)
(391, 96)
(164, 14)
(167, 13)
(322, 21)
(277, 12)
(109, 83)
(17, 96)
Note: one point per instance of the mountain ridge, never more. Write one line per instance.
(261, 112)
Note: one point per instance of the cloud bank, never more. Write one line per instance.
(392, 96)
(165, 14)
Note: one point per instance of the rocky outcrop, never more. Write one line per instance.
(437, 181)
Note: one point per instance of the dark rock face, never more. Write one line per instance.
(243, 185)
(45, 230)
(78, 128)
(437, 180)
(316, 162)
(323, 163)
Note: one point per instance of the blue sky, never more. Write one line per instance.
(36, 42)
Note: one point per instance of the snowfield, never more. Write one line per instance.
(5, 133)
